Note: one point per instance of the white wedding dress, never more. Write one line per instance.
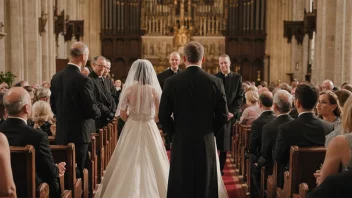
(139, 166)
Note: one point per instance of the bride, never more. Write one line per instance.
(139, 166)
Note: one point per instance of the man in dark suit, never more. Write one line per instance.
(72, 101)
(111, 89)
(174, 61)
(233, 90)
(198, 104)
(102, 94)
(18, 105)
(282, 105)
(306, 130)
(267, 115)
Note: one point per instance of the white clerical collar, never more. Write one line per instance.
(75, 65)
(25, 121)
(304, 113)
(226, 74)
(173, 70)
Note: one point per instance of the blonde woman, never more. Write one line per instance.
(252, 111)
(43, 94)
(42, 117)
(338, 154)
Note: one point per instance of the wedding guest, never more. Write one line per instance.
(42, 116)
(43, 94)
(7, 185)
(85, 71)
(252, 111)
(338, 153)
(328, 107)
(327, 85)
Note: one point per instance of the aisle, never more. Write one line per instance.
(233, 186)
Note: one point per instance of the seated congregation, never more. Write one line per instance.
(294, 143)
(288, 141)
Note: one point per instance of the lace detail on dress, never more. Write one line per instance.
(348, 166)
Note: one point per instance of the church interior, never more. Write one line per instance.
(272, 41)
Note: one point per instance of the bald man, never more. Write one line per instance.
(17, 102)
(72, 101)
(85, 71)
(174, 61)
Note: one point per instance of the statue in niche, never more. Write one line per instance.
(181, 37)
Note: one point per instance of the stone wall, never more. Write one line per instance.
(32, 56)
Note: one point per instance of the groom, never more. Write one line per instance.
(198, 104)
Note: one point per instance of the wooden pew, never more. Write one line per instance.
(304, 162)
(66, 153)
(303, 190)
(51, 140)
(264, 173)
(272, 182)
(235, 138)
(92, 168)
(24, 172)
(106, 146)
(100, 152)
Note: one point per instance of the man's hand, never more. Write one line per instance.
(62, 168)
(229, 116)
(317, 175)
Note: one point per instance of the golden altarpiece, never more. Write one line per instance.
(152, 29)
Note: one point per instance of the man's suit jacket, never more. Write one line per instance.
(233, 91)
(306, 130)
(338, 186)
(256, 133)
(198, 104)
(104, 99)
(166, 74)
(72, 101)
(112, 90)
(19, 133)
(269, 136)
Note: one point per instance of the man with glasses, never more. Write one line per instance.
(101, 93)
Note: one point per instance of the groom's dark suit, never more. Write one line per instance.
(72, 101)
(197, 101)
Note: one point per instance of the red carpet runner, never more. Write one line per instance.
(231, 182)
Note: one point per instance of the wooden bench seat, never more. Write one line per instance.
(66, 153)
(304, 161)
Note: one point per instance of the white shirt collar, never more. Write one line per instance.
(304, 113)
(266, 111)
(282, 114)
(75, 65)
(17, 118)
(194, 66)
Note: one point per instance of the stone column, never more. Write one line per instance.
(15, 49)
(32, 41)
(276, 45)
(52, 43)
(333, 42)
(45, 43)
